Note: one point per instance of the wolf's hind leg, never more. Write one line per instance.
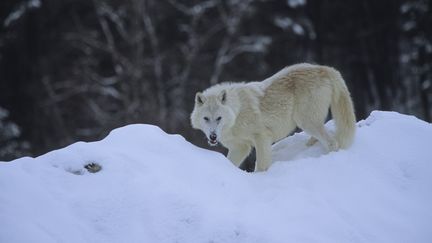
(237, 153)
(311, 141)
(310, 115)
(316, 129)
(319, 132)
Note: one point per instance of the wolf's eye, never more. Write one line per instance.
(206, 119)
(219, 118)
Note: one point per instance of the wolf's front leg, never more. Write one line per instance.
(237, 153)
(263, 153)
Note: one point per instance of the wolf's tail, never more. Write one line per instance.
(343, 112)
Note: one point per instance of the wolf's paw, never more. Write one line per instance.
(93, 167)
(259, 167)
(311, 141)
(333, 146)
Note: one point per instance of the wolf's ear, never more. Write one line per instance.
(222, 96)
(199, 98)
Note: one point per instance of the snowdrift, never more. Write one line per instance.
(155, 187)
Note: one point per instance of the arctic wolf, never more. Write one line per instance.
(257, 114)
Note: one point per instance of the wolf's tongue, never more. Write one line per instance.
(212, 142)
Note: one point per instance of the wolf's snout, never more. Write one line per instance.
(212, 140)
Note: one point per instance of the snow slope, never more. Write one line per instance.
(156, 187)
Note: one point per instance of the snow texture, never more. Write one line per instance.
(155, 187)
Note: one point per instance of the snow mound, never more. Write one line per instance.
(155, 187)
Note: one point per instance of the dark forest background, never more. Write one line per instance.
(75, 69)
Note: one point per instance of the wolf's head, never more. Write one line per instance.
(212, 114)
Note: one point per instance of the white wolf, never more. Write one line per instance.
(242, 115)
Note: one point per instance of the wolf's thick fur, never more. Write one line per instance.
(242, 115)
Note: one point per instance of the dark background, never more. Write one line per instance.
(75, 69)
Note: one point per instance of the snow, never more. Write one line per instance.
(20, 10)
(283, 22)
(298, 29)
(286, 23)
(296, 3)
(155, 187)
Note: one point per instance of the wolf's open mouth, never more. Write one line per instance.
(212, 142)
